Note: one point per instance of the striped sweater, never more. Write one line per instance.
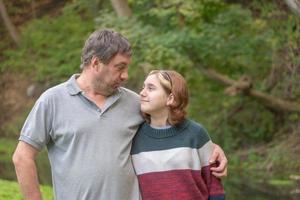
(173, 163)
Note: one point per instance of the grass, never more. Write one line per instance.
(7, 147)
(9, 190)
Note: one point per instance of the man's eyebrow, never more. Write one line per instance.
(121, 64)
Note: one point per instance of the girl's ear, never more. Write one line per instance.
(170, 100)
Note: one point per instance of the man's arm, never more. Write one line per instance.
(219, 157)
(24, 161)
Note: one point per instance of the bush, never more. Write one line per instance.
(51, 47)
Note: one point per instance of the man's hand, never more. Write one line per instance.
(219, 157)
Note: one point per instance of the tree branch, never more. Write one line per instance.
(122, 8)
(294, 6)
(267, 100)
(9, 25)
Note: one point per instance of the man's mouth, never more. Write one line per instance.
(116, 85)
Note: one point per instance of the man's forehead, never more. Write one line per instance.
(121, 58)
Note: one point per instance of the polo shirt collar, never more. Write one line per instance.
(72, 85)
(74, 89)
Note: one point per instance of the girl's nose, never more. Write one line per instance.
(142, 92)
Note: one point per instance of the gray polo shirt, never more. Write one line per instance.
(88, 148)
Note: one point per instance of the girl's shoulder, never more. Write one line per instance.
(197, 130)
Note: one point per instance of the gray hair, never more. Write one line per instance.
(104, 44)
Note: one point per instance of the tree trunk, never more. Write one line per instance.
(244, 86)
(294, 6)
(9, 25)
(122, 8)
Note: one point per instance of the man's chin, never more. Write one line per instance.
(108, 93)
(113, 90)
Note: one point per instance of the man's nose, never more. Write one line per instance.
(124, 76)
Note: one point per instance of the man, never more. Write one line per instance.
(87, 125)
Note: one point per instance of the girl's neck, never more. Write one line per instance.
(159, 121)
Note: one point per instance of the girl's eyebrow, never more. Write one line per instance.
(149, 84)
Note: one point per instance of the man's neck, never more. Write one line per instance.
(85, 84)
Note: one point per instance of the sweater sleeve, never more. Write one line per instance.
(214, 185)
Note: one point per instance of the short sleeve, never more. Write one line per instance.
(36, 129)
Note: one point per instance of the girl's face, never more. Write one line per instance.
(153, 97)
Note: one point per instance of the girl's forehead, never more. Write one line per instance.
(152, 78)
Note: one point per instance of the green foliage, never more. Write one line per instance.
(260, 40)
(12, 128)
(12, 9)
(6, 150)
(187, 36)
(225, 37)
(238, 124)
(281, 183)
(52, 47)
(10, 191)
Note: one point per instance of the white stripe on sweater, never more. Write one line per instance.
(172, 159)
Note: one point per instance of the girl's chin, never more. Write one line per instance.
(144, 110)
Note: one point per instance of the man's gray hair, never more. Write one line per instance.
(104, 44)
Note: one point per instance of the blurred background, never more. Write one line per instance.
(241, 59)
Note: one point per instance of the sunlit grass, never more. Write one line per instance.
(9, 190)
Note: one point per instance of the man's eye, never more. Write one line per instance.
(120, 67)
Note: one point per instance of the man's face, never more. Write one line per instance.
(112, 75)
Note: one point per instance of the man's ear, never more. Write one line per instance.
(170, 100)
(96, 63)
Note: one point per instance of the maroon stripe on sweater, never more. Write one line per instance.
(213, 183)
(173, 185)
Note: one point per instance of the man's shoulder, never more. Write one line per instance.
(129, 93)
(130, 101)
(54, 92)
